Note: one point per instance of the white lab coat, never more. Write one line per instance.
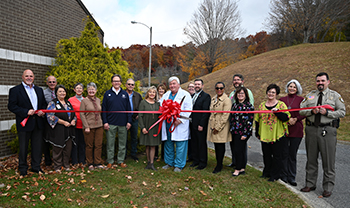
(182, 131)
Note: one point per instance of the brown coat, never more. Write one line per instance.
(220, 121)
(88, 119)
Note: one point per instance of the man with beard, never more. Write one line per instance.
(237, 82)
(320, 133)
(200, 101)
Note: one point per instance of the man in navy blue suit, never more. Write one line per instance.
(24, 100)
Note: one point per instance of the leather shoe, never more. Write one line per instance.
(231, 165)
(37, 171)
(193, 165)
(216, 171)
(189, 160)
(292, 182)
(326, 193)
(23, 173)
(200, 167)
(109, 165)
(308, 189)
(123, 165)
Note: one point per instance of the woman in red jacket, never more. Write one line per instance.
(78, 149)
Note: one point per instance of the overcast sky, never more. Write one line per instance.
(166, 17)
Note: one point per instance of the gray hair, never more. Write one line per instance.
(91, 84)
(299, 88)
(47, 78)
(130, 79)
(174, 78)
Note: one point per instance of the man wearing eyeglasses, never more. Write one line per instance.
(116, 99)
(237, 82)
(135, 99)
(49, 94)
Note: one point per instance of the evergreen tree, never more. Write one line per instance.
(84, 59)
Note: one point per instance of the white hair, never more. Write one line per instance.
(174, 78)
(297, 84)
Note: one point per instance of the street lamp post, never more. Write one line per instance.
(150, 51)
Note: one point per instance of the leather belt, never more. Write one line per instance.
(309, 123)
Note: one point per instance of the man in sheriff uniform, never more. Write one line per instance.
(321, 130)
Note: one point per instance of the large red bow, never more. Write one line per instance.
(170, 112)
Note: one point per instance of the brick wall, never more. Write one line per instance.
(35, 27)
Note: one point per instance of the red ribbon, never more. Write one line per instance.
(170, 111)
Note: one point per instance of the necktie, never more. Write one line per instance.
(53, 96)
(318, 116)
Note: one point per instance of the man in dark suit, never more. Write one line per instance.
(199, 125)
(24, 100)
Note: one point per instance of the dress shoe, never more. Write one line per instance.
(23, 173)
(216, 171)
(239, 173)
(308, 189)
(193, 165)
(200, 167)
(272, 179)
(109, 165)
(326, 193)
(284, 179)
(166, 166)
(231, 165)
(292, 182)
(189, 160)
(123, 165)
(37, 171)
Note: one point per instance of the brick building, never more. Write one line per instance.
(29, 32)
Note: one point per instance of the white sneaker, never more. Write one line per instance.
(166, 167)
(177, 169)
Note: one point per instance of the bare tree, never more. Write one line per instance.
(308, 17)
(214, 22)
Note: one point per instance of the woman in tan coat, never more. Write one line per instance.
(219, 125)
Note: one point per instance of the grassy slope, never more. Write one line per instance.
(301, 62)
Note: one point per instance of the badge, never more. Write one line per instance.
(109, 95)
(123, 96)
(341, 99)
(305, 99)
(58, 106)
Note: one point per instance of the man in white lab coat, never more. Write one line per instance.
(179, 138)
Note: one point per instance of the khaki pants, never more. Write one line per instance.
(122, 136)
(326, 146)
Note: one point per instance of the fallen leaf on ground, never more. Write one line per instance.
(159, 184)
(144, 183)
(69, 200)
(36, 183)
(105, 196)
(83, 181)
(208, 200)
(202, 192)
(42, 197)
(173, 193)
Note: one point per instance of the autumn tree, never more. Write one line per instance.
(308, 17)
(84, 59)
(214, 22)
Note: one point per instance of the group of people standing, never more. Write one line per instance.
(78, 136)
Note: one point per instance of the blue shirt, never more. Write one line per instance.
(130, 99)
(32, 95)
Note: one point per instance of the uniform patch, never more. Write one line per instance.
(305, 99)
(341, 99)
(311, 97)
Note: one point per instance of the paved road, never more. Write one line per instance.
(341, 193)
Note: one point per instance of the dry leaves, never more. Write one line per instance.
(144, 183)
(202, 192)
(42, 197)
(105, 196)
